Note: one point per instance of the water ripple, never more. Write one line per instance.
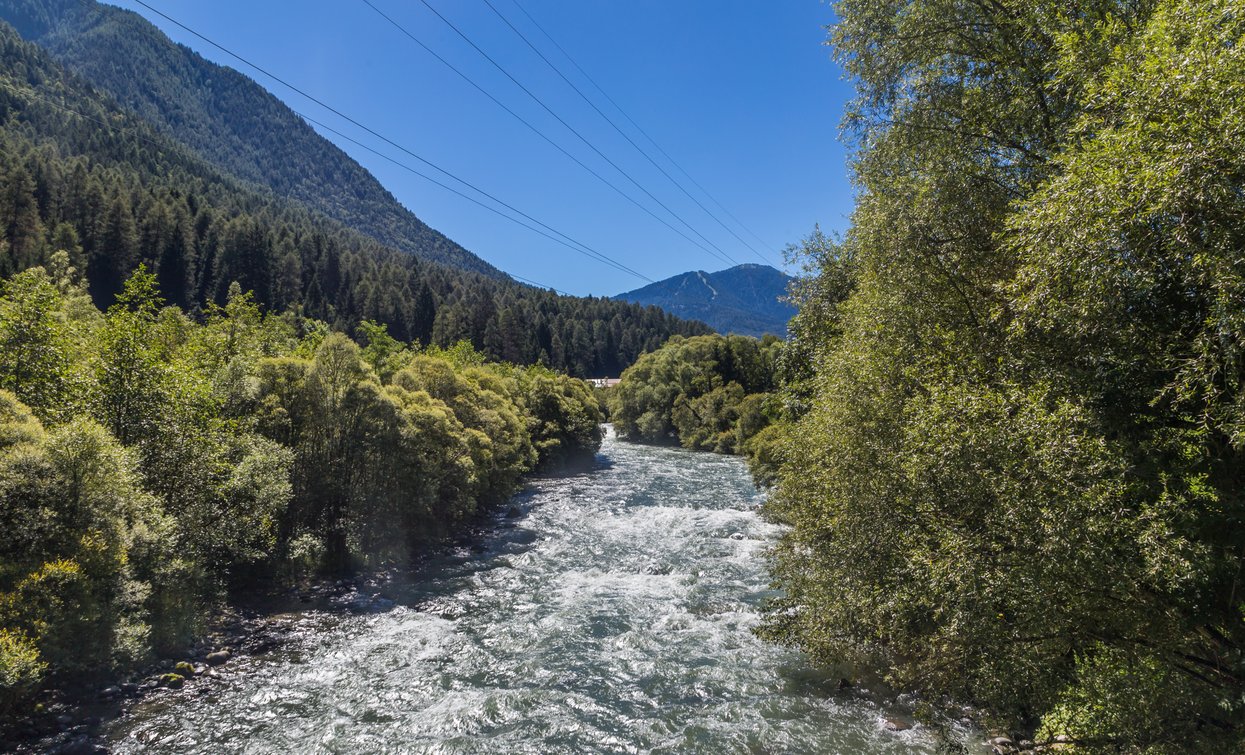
(616, 616)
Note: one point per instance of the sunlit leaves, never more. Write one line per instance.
(691, 389)
(171, 457)
(1018, 480)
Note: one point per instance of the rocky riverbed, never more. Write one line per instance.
(609, 610)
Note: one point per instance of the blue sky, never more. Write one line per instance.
(741, 93)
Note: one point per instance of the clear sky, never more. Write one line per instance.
(742, 94)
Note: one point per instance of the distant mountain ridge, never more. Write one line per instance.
(745, 299)
(227, 118)
(82, 174)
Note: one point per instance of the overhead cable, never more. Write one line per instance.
(621, 133)
(371, 131)
(712, 249)
(639, 128)
(585, 250)
(111, 127)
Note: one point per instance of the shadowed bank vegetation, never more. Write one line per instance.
(1016, 476)
(149, 462)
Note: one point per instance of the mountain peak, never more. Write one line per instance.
(745, 299)
(226, 118)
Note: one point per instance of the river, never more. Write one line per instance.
(613, 615)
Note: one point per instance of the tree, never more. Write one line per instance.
(116, 254)
(23, 227)
(84, 544)
(1017, 452)
(692, 390)
(130, 382)
(34, 343)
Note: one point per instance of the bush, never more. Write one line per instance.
(696, 391)
(21, 670)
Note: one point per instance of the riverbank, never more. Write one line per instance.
(614, 613)
(71, 719)
(618, 600)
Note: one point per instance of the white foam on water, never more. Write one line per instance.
(616, 616)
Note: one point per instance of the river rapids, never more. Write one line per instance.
(614, 614)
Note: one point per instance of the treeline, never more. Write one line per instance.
(1016, 476)
(226, 118)
(79, 174)
(709, 393)
(150, 461)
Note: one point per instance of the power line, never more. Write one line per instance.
(599, 257)
(621, 133)
(531, 282)
(715, 251)
(586, 250)
(534, 129)
(637, 126)
(383, 138)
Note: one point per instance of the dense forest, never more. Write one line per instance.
(79, 174)
(149, 462)
(707, 393)
(1013, 463)
(226, 118)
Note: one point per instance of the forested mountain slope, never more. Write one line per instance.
(227, 118)
(80, 173)
(745, 299)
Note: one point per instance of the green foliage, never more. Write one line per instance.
(764, 452)
(1135, 702)
(1013, 475)
(383, 353)
(132, 385)
(203, 455)
(57, 604)
(697, 390)
(565, 416)
(18, 426)
(34, 359)
(78, 568)
(21, 669)
(128, 195)
(707, 422)
(497, 431)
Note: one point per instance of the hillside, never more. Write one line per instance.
(228, 119)
(743, 299)
(82, 174)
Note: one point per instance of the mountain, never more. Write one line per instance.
(225, 117)
(743, 299)
(81, 173)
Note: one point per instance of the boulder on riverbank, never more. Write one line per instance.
(172, 681)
